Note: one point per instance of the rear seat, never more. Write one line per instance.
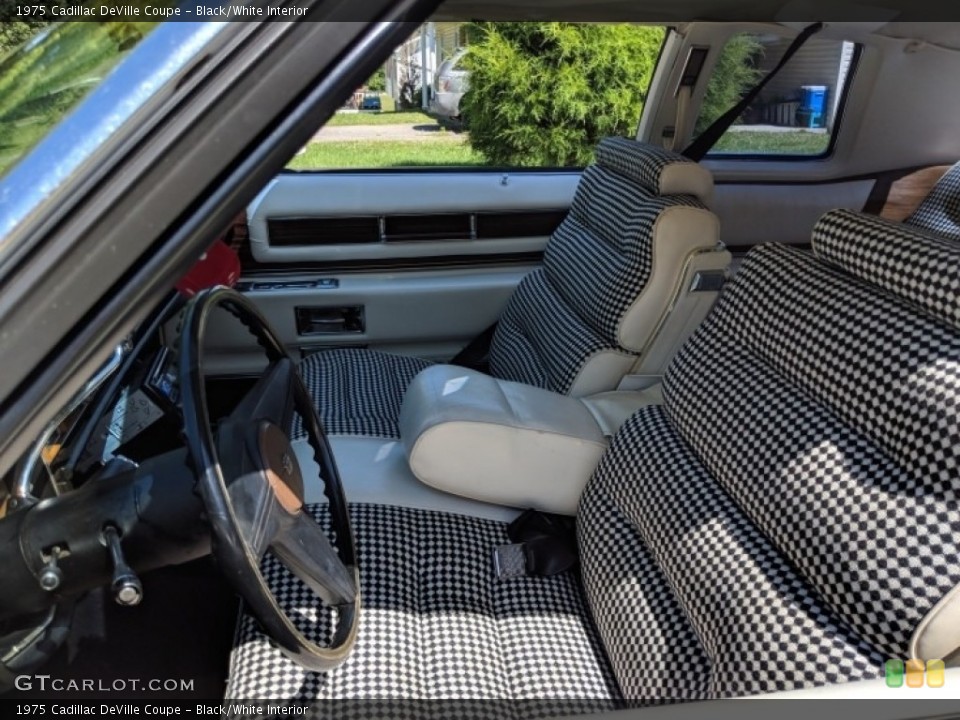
(940, 210)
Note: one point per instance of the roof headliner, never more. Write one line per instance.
(908, 19)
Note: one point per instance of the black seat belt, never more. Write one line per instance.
(709, 137)
(476, 355)
(543, 544)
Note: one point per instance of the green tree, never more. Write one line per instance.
(544, 94)
(14, 33)
(41, 82)
(16, 28)
(377, 81)
(735, 73)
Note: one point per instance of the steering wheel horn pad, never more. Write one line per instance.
(280, 467)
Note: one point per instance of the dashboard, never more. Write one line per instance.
(135, 391)
(147, 399)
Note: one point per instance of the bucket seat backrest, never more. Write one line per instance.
(790, 516)
(940, 210)
(577, 325)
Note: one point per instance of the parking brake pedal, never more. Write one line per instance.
(125, 585)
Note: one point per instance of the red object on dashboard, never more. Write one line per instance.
(220, 265)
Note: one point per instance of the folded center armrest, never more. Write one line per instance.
(499, 441)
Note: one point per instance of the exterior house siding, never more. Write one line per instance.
(818, 62)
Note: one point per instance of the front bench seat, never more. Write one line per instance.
(788, 518)
(577, 325)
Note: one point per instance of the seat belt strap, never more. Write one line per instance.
(709, 137)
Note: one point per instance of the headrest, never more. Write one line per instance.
(659, 171)
(940, 210)
(918, 266)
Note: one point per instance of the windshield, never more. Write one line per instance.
(45, 78)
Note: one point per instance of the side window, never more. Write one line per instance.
(797, 113)
(504, 95)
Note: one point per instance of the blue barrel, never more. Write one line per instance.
(813, 104)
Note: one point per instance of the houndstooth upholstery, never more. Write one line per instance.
(595, 265)
(912, 264)
(562, 316)
(638, 162)
(703, 605)
(785, 519)
(792, 508)
(526, 350)
(357, 392)
(436, 625)
(940, 210)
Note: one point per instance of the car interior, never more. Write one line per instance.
(679, 426)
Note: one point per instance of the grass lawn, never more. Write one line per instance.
(384, 154)
(414, 117)
(774, 143)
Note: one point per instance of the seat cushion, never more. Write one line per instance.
(577, 325)
(436, 624)
(656, 169)
(358, 392)
(917, 266)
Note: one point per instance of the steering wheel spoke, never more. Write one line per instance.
(303, 547)
(257, 512)
(271, 398)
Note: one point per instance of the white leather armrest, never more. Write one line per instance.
(502, 442)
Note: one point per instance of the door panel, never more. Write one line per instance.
(422, 262)
(751, 214)
(431, 315)
(417, 263)
(475, 208)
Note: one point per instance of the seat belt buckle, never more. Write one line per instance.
(509, 561)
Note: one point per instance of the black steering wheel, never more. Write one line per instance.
(252, 487)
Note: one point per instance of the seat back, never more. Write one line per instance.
(940, 210)
(790, 516)
(611, 271)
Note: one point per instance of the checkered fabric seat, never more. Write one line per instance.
(940, 210)
(574, 326)
(789, 517)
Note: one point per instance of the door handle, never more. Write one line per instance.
(347, 319)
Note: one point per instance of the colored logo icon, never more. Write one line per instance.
(935, 673)
(893, 669)
(913, 672)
